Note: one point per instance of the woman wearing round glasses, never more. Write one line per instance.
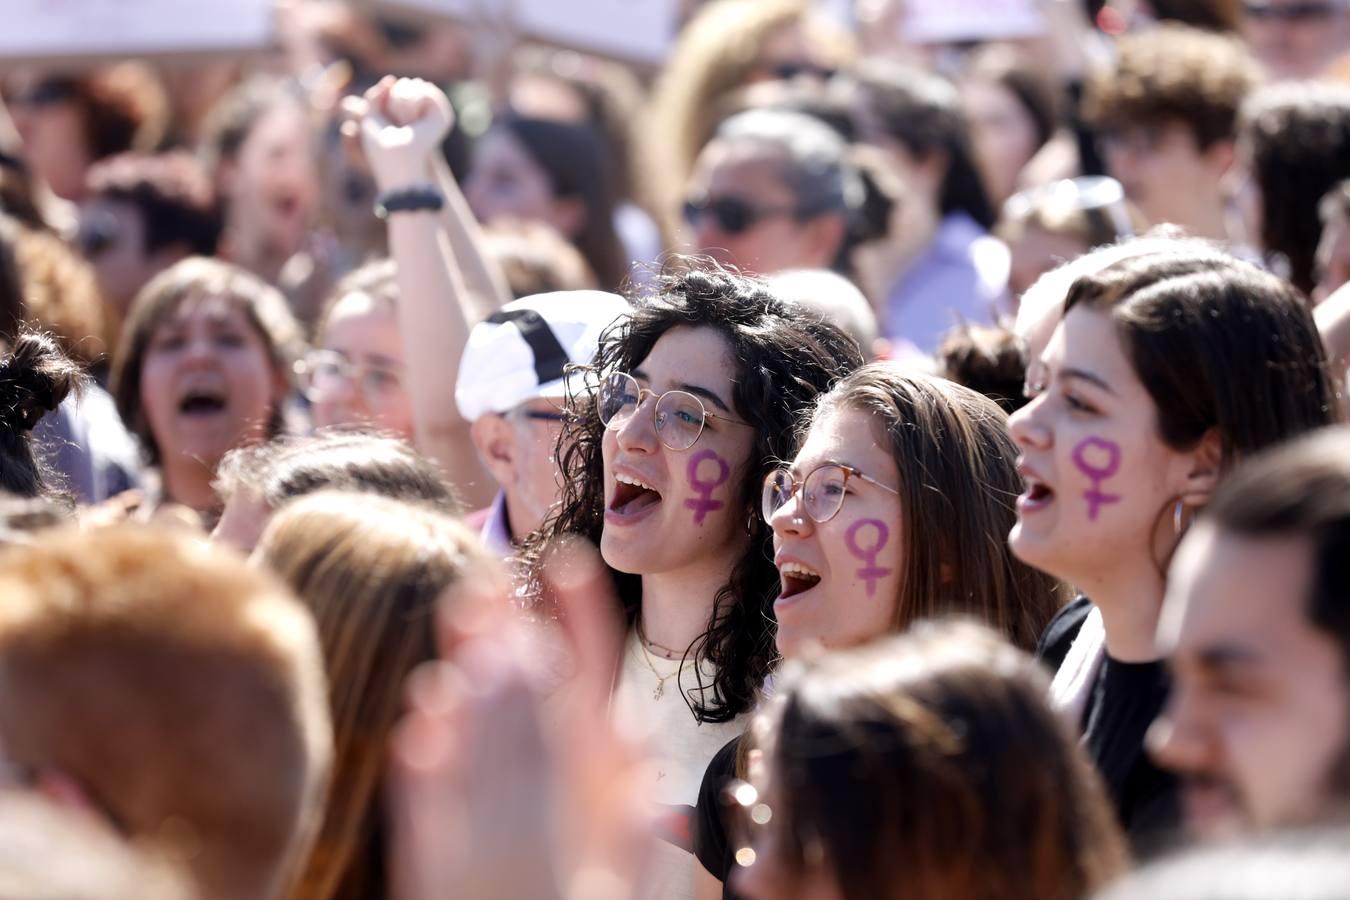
(355, 374)
(892, 511)
(693, 398)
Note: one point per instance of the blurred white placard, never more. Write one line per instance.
(637, 30)
(949, 21)
(73, 29)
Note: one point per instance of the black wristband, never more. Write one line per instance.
(416, 198)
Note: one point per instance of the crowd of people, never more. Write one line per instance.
(829, 463)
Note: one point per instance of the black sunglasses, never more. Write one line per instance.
(1311, 11)
(786, 71)
(48, 92)
(733, 215)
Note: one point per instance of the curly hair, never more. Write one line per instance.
(784, 358)
(1175, 73)
(1299, 138)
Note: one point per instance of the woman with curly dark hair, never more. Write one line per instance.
(690, 404)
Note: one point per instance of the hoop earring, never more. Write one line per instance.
(750, 523)
(1177, 512)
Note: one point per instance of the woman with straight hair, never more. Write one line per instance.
(1166, 370)
(924, 767)
(371, 570)
(894, 509)
(936, 266)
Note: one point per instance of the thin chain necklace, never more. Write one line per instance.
(661, 680)
(661, 649)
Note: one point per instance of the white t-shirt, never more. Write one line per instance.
(648, 701)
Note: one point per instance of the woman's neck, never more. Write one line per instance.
(1130, 602)
(677, 606)
(188, 481)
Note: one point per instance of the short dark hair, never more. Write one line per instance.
(1300, 489)
(34, 378)
(172, 193)
(989, 359)
(1218, 344)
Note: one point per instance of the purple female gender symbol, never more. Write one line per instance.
(871, 573)
(704, 504)
(1096, 498)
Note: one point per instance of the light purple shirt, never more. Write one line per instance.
(961, 276)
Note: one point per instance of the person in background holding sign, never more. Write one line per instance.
(687, 405)
(1166, 370)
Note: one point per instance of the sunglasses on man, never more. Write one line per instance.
(732, 214)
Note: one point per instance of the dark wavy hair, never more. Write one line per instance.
(784, 358)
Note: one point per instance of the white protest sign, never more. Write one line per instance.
(637, 30)
(948, 21)
(72, 29)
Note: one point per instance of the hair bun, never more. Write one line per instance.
(34, 378)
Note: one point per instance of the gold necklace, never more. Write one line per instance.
(661, 649)
(660, 679)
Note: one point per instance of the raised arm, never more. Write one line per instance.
(402, 124)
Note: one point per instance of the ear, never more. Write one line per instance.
(1206, 467)
(1219, 156)
(494, 440)
(569, 216)
(827, 233)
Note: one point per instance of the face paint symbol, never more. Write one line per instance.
(704, 504)
(1098, 459)
(871, 573)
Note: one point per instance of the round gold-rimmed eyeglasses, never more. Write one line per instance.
(823, 490)
(679, 416)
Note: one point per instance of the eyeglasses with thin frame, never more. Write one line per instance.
(325, 373)
(679, 416)
(822, 490)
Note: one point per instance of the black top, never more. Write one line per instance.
(712, 845)
(1125, 701)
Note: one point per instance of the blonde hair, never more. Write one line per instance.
(182, 689)
(715, 54)
(371, 570)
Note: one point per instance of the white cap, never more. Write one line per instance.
(519, 352)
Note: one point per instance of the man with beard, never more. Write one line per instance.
(1257, 627)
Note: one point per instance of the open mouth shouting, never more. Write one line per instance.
(203, 401)
(797, 578)
(632, 500)
(1036, 494)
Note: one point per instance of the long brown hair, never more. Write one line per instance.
(371, 570)
(930, 767)
(958, 483)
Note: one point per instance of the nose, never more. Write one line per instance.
(1027, 429)
(1178, 739)
(791, 520)
(638, 434)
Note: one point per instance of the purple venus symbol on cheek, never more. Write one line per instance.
(1098, 459)
(704, 504)
(871, 572)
